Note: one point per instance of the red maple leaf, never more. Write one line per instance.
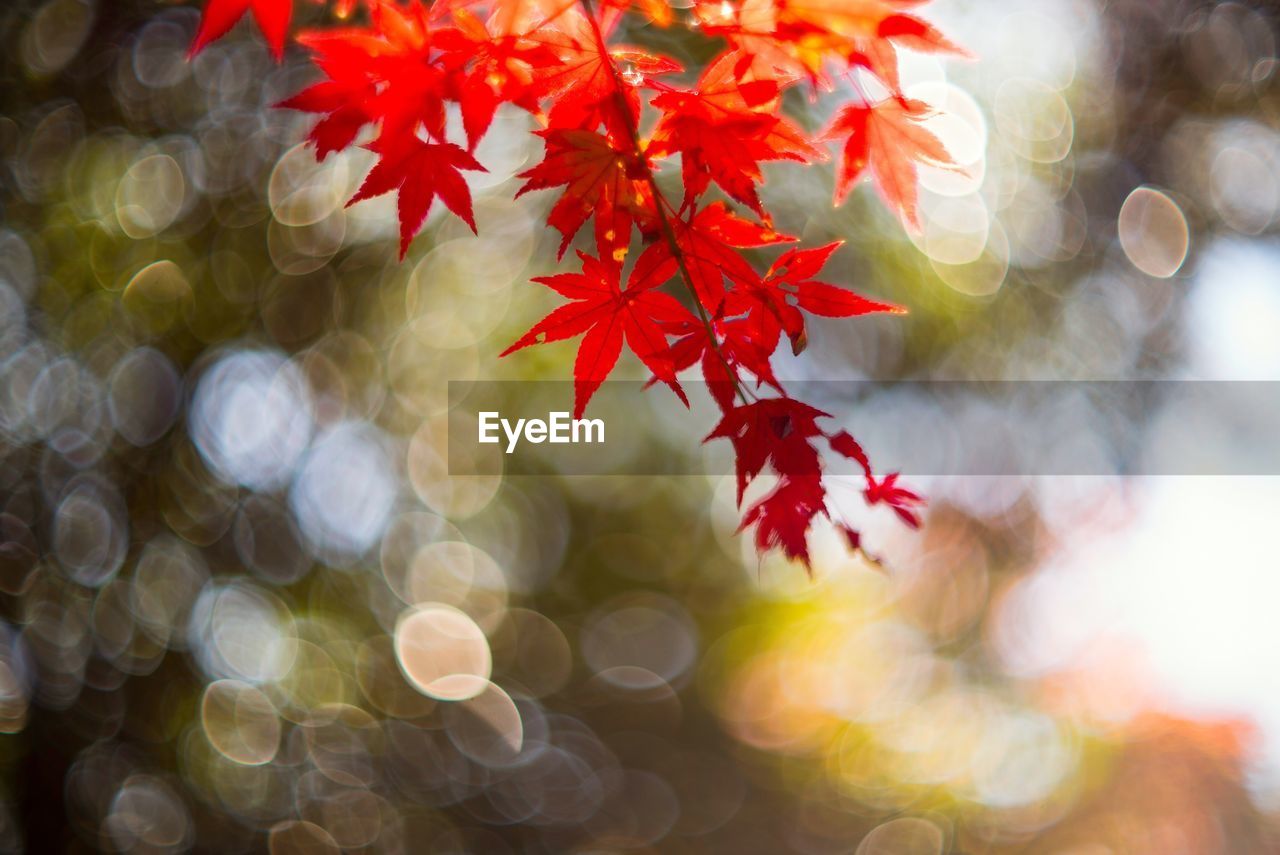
(594, 83)
(790, 286)
(731, 346)
(343, 105)
(905, 31)
(776, 431)
(843, 443)
(420, 171)
(724, 128)
(486, 69)
(610, 316)
(602, 178)
(888, 138)
(783, 518)
(779, 433)
(903, 501)
(706, 242)
(657, 11)
(799, 38)
(383, 75)
(219, 16)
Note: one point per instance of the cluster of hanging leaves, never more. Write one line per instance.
(611, 117)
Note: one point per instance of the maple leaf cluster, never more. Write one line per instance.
(611, 118)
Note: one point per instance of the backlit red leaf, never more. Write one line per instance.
(219, 16)
(888, 139)
(420, 172)
(610, 316)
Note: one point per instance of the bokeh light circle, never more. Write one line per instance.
(443, 653)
